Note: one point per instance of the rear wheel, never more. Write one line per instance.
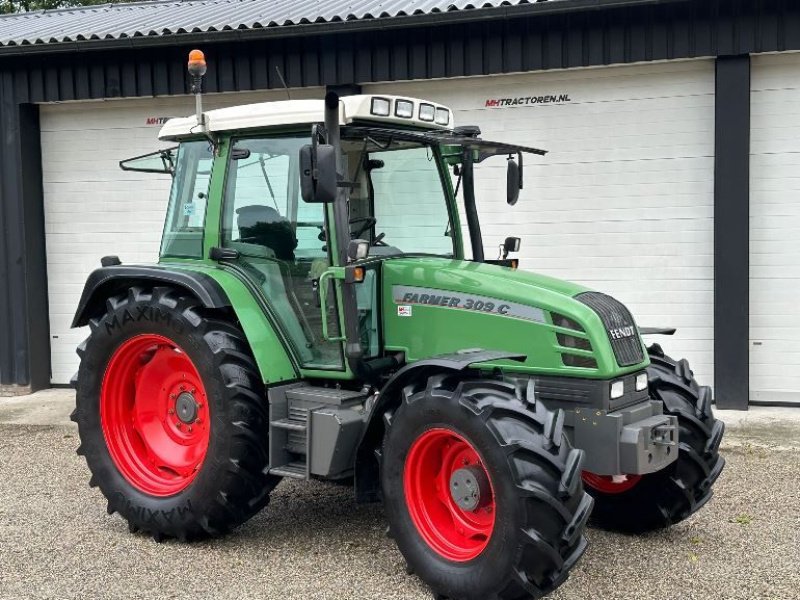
(636, 504)
(171, 417)
(482, 490)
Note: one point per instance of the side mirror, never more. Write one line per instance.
(318, 177)
(513, 182)
(510, 245)
(357, 250)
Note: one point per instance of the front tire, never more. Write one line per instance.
(637, 504)
(518, 529)
(171, 417)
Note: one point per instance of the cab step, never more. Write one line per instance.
(290, 424)
(330, 416)
(295, 470)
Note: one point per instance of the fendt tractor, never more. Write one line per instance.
(319, 313)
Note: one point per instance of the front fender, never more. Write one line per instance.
(366, 469)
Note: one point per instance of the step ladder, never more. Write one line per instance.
(291, 410)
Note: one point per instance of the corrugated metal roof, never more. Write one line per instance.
(144, 19)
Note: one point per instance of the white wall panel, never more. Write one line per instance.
(775, 228)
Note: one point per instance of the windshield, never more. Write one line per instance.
(399, 201)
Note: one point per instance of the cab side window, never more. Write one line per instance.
(186, 215)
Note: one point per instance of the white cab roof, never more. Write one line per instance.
(299, 112)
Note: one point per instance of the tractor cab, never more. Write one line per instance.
(260, 189)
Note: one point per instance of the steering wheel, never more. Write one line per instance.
(365, 223)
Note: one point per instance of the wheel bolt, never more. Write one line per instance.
(172, 396)
(171, 411)
(178, 425)
(464, 461)
(182, 388)
(189, 429)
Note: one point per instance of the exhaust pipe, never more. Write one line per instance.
(341, 223)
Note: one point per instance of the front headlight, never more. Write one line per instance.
(617, 389)
(641, 382)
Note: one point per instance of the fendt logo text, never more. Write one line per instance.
(621, 332)
(527, 101)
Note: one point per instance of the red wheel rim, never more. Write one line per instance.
(154, 414)
(453, 532)
(610, 484)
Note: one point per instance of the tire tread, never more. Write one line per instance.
(243, 483)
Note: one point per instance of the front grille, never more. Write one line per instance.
(570, 341)
(584, 362)
(565, 322)
(618, 321)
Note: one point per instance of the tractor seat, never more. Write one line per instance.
(265, 226)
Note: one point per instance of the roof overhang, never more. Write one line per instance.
(153, 36)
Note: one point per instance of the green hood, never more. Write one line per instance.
(485, 279)
(435, 306)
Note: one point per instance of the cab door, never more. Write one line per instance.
(280, 241)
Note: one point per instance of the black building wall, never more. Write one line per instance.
(508, 39)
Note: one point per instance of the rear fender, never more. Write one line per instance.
(215, 290)
(109, 281)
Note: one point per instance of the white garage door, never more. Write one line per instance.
(775, 229)
(624, 200)
(92, 208)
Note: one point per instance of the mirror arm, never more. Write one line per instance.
(521, 179)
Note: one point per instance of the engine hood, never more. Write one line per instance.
(488, 280)
(436, 306)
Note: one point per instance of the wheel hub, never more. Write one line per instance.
(154, 414)
(449, 494)
(186, 408)
(469, 488)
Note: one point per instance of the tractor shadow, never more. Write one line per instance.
(315, 514)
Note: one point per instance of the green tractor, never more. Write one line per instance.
(318, 312)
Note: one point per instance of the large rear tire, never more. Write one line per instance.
(637, 504)
(171, 416)
(518, 528)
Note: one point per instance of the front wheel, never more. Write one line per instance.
(641, 503)
(172, 421)
(482, 490)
